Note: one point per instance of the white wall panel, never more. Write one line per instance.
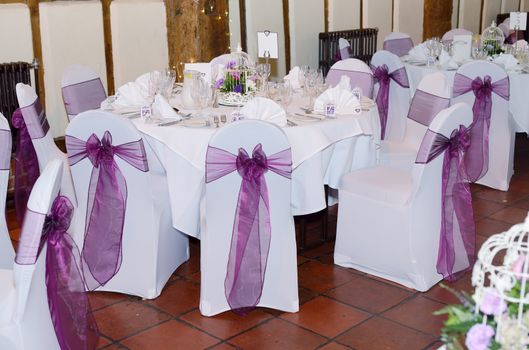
(455, 13)
(344, 14)
(469, 11)
(306, 22)
(408, 18)
(266, 15)
(14, 18)
(509, 5)
(491, 8)
(71, 32)
(139, 38)
(234, 23)
(524, 5)
(377, 13)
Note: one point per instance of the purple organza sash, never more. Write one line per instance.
(359, 79)
(251, 233)
(478, 155)
(35, 120)
(26, 165)
(106, 204)
(71, 314)
(425, 106)
(83, 96)
(383, 77)
(5, 149)
(399, 47)
(456, 196)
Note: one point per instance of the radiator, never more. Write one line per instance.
(363, 45)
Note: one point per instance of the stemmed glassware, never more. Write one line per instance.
(434, 48)
(285, 93)
(263, 71)
(202, 94)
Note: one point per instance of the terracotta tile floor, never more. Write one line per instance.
(340, 308)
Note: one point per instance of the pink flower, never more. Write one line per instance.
(492, 304)
(231, 64)
(479, 337)
(517, 267)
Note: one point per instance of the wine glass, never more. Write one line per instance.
(285, 93)
(201, 94)
(263, 71)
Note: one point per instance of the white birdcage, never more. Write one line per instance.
(235, 79)
(492, 40)
(502, 268)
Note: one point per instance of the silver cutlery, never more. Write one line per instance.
(309, 116)
(291, 123)
(223, 118)
(172, 122)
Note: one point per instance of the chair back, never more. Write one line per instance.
(399, 93)
(221, 201)
(359, 73)
(7, 252)
(82, 89)
(448, 37)
(431, 96)
(398, 43)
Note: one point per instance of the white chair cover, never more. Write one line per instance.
(82, 89)
(359, 73)
(432, 95)
(7, 253)
(501, 132)
(151, 248)
(25, 321)
(398, 43)
(448, 37)
(42, 139)
(389, 219)
(280, 288)
(399, 96)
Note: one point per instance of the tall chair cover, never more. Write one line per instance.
(398, 43)
(448, 37)
(7, 254)
(248, 263)
(401, 225)
(120, 200)
(359, 73)
(392, 94)
(485, 87)
(41, 138)
(82, 90)
(42, 296)
(431, 96)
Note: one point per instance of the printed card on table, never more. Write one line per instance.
(518, 20)
(267, 44)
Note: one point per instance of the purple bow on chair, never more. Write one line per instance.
(107, 200)
(456, 196)
(83, 96)
(251, 234)
(71, 314)
(399, 47)
(26, 165)
(383, 77)
(477, 158)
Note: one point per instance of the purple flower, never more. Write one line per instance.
(231, 64)
(219, 83)
(238, 88)
(479, 337)
(492, 304)
(235, 75)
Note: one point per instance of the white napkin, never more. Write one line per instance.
(265, 109)
(293, 78)
(446, 61)
(340, 95)
(130, 95)
(162, 108)
(521, 44)
(418, 53)
(507, 61)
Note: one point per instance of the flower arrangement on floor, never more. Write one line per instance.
(496, 316)
(236, 83)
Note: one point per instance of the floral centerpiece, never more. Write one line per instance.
(496, 315)
(236, 83)
(492, 40)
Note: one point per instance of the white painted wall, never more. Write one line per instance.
(509, 5)
(469, 15)
(455, 13)
(15, 19)
(408, 18)
(344, 14)
(377, 13)
(524, 5)
(71, 32)
(491, 8)
(234, 23)
(306, 22)
(266, 15)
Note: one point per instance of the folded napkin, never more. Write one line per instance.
(130, 94)
(418, 53)
(162, 108)
(446, 61)
(507, 61)
(265, 109)
(341, 96)
(293, 78)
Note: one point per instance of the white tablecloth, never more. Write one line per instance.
(322, 151)
(519, 84)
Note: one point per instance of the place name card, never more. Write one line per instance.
(267, 46)
(518, 20)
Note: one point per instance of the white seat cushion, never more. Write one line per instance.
(384, 184)
(7, 297)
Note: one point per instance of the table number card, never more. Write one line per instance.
(145, 112)
(267, 44)
(518, 20)
(461, 46)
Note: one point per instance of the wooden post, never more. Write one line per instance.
(437, 18)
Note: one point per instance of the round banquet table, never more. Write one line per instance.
(519, 83)
(322, 152)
